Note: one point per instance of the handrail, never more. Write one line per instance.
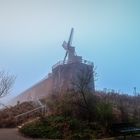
(30, 111)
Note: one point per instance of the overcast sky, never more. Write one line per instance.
(106, 32)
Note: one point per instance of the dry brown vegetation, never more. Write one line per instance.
(125, 107)
(8, 115)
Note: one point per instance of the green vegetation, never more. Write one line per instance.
(58, 127)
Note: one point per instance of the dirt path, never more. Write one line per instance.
(12, 134)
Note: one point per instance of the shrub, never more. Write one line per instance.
(105, 115)
(72, 104)
(58, 127)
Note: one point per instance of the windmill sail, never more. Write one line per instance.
(70, 38)
(67, 46)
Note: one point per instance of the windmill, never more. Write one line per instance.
(70, 51)
(71, 57)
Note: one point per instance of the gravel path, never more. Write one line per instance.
(12, 134)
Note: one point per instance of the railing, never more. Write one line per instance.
(68, 62)
(58, 64)
(87, 62)
(28, 112)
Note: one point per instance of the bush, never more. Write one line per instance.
(105, 112)
(81, 136)
(72, 104)
(58, 127)
(40, 129)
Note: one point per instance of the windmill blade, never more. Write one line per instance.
(65, 45)
(70, 38)
(65, 57)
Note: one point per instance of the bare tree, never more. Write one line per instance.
(6, 83)
(84, 87)
(84, 82)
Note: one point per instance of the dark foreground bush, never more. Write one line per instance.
(58, 127)
(39, 129)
